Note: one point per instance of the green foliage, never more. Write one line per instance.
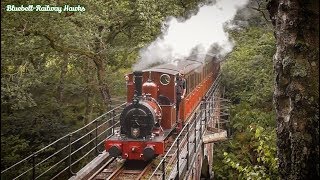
(247, 74)
(243, 115)
(118, 83)
(248, 70)
(11, 149)
(254, 154)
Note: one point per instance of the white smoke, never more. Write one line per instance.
(198, 33)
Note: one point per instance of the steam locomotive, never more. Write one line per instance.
(151, 116)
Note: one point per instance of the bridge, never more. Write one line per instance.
(81, 155)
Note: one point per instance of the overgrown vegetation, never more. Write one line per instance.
(248, 77)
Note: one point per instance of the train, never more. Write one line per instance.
(151, 114)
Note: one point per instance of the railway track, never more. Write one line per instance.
(116, 169)
(103, 172)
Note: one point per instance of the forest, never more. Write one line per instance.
(59, 71)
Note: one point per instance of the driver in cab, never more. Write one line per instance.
(180, 89)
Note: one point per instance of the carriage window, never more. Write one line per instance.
(198, 79)
(187, 85)
(193, 81)
(165, 79)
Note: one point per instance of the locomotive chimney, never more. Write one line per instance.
(138, 82)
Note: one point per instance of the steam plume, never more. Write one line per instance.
(201, 33)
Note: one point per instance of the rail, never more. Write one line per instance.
(122, 169)
(116, 172)
(68, 154)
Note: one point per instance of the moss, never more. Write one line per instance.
(301, 46)
(307, 137)
(313, 54)
(286, 61)
(299, 70)
(297, 98)
(283, 81)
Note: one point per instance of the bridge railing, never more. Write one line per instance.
(189, 135)
(68, 154)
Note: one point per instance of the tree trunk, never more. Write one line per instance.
(103, 87)
(296, 94)
(100, 64)
(88, 93)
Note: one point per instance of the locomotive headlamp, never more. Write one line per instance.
(135, 132)
(126, 77)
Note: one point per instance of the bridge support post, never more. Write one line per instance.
(113, 120)
(200, 133)
(164, 169)
(188, 144)
(70, 152)
(178, 153)
(195, 132)
(34, 155)
(205, 109)
(96, 138)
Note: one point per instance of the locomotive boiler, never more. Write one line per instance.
(142, 117)
(151, 116)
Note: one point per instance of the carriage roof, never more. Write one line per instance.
(180, 65)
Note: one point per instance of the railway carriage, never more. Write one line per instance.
(150, 116)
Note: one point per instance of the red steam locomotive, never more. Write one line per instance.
(151, 116)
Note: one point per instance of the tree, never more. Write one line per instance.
(296, 95)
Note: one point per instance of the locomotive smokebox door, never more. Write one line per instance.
(135, 132)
